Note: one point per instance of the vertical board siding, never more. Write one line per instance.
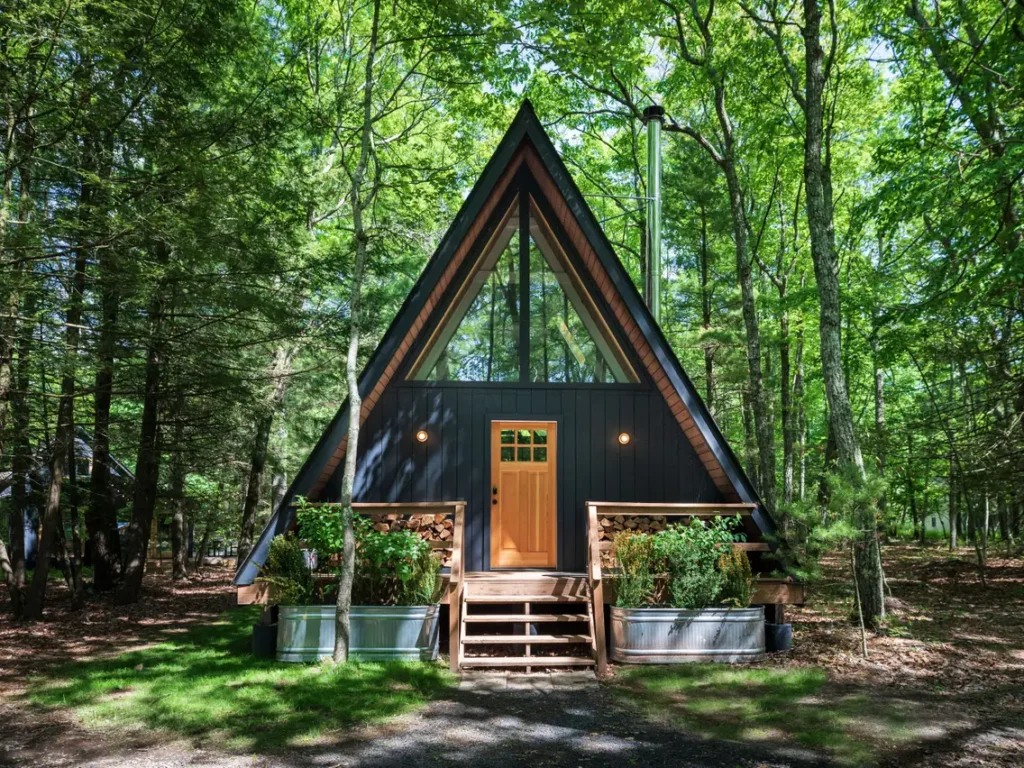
(659, 464)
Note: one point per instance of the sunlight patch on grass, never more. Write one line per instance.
(757, 704)
(207, 686)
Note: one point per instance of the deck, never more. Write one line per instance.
(528, 598)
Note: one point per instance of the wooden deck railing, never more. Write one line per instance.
(604, 509)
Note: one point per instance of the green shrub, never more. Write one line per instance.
(635, 585)
(286, 571)
(393, 568)
(738, 583)
(690, 554)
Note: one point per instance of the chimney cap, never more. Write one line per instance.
(654, 112)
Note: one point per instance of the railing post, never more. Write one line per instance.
(596, 587)
(455, 590)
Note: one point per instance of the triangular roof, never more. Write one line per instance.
(527, 148)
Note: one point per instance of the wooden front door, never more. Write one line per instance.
(523, 506)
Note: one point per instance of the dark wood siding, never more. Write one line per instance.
(659, 464)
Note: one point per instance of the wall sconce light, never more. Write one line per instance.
(421, 436)
(624, 438)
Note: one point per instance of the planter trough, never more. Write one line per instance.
(672, 635)
(379, 633)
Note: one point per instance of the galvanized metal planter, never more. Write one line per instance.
(379, 633)
(671, 635)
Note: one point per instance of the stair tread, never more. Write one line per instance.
(523, 639)
(511, 618)
(527, 661)
(473, 598)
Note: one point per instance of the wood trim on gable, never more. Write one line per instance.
(424, 313)
(646, 354)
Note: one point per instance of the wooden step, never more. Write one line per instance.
(475, 598)
(527, 661)
(522, 618)
(523, 639)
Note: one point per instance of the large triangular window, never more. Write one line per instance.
(486, 335)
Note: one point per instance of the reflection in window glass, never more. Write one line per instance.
(508, 454)
(508, 436)
(524, 436)
(540, 436)
(485, 345)
(561, 347)
(522, 454)
(540, 454)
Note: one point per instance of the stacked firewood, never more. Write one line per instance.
(428, 526)
(609, 526)
(637, 523)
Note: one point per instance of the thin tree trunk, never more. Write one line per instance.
(705, 306)
(359, 204)
(178, 476)
(147, 464)
(65, 432)
(21, 461)
(258, 459)
(101, 519)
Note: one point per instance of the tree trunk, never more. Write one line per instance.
(101, 519)
(64, 436)
(147, 464)
(21, 461)
(881, 438)
(821, 228)
(952, 512)
(359, 204)
(705, 305)
(788, 412)
(258, 459)
(178, 475)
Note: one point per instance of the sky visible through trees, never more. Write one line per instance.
(188, 199)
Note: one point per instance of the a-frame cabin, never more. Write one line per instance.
(525, 393)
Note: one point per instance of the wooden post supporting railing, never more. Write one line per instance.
(596, 589)
(455, 588)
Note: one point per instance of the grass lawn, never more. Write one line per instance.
(206, 686)
(754, 704)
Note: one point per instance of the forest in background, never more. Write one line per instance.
(194, 192)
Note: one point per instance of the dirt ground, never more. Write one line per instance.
(952, 653)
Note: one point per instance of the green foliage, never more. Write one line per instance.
(394, 568)
(690, 554)
(322, 527)
(738, 582)
(285, 570)
(635, 584)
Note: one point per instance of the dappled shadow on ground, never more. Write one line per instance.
(208, 688)
(101, 626)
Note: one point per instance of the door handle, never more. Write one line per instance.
(494, 490)
(494, 502)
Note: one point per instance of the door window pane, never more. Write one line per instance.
(522, 454)
(508, 436)
(540, 454)
(524, 436)
(508, 454)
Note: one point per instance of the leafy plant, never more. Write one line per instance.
(635, 585)
(286, 571)
(690, 554)
(393, 568)
(322, 526)
(738, 582)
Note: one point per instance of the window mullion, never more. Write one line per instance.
(524, 284)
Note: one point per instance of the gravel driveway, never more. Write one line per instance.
(490, 721)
